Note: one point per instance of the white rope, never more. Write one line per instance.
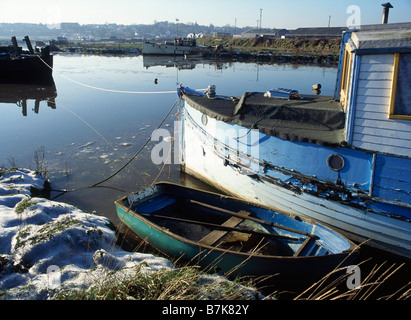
(111, 90)
(116, 91)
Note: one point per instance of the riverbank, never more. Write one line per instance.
(263, 45)
(297, 51)
(268, 50)
(52, 250)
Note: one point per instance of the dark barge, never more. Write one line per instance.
(25, 66)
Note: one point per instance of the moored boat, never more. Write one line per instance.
(177, 47)
(28, 67)
(343, 160)
(234, 236)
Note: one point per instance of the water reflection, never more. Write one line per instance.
(183, 62)
(178, 62)
(88, 134)
(21, 94)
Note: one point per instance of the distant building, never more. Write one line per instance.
(70, 26)
(326, 33)
(221, 35)
(268, 33)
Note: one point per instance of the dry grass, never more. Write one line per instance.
(372, 287)
(186, 283)
(192, 283)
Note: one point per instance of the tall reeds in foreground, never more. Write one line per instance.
(373, 287)
(185, 283)
(189, 281)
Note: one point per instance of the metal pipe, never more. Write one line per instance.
(385, 12)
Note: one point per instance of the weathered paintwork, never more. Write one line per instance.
(362, 186)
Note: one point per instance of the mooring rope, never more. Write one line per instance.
(104, 89)
(113, 90)
(97, 184)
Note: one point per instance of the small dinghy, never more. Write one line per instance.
(233, 236)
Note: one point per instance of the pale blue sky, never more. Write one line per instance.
(275, 14)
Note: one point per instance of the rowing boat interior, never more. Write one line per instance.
(199, 222)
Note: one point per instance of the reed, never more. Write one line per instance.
(189, 281)
(334, 286)
(185, 283)
(40, 161)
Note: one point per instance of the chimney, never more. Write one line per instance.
(385, 11)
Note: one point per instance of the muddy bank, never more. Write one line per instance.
(275, 50)
(326, 60)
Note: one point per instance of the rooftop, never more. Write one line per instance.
(380, 36)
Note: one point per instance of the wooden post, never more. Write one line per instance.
(29, 46)
(24, 107)
(15, 45)
(37, 106)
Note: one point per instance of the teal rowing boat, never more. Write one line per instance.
(233, 236)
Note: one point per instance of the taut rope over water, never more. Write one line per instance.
(97, 184)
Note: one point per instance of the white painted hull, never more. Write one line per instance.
(200, 157)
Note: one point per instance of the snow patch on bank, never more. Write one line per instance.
(47, 246)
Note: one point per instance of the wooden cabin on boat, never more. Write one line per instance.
(374, 87)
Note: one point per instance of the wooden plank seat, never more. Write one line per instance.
(216, 235)
(303, 246)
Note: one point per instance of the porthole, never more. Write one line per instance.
(204, 120)
(335, 162)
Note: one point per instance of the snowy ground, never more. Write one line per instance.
(47, 246)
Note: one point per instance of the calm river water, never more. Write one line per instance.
(89, 133)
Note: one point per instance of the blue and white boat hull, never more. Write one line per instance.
(262, 177)
(343, 160)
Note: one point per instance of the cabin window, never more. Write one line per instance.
(345, 75)
(400, 106)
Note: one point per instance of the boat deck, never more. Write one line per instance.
(311, 118)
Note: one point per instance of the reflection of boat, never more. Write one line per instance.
(345, 163)
(21, 93)
(18, 66)
(177, 47)
(179, 62)
(233, 235)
